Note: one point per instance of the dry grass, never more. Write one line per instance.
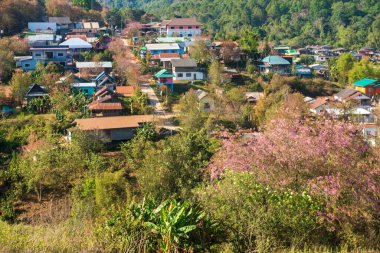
(68, 236)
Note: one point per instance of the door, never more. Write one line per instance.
(195, 77)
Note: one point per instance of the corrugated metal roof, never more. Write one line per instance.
(118, 122)
(162, 46)
(106, 64)
(365, 82)
(275, 60)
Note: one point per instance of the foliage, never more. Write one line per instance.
(20, 83)
(15, 14)
(177, 164)
(257, 217)
(138, 103)
(215, 73)
(110, 189)
(169, 226)
(10, 47)
(191, 115)
(362, 69)
(306, 59)
(274, 158)
(343, 65)
(249, 41)
(349, 24)
(200, 52)
(39, 105)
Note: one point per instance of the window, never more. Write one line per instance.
(189, 35)
(172, 27)
(188, 74)
(370, 89)
(49, 55)
(38, 55)
(181, 27)
(60, 54)
(180, 75)
(197, 27)
(27, 65)
(190, 27)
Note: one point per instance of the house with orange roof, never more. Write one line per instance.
(125, 91)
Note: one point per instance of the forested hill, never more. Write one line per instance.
(343, 23)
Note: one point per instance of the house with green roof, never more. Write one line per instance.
(368, 86)
(276, 65)
(292, 52)
(165, 77)
(281, 49)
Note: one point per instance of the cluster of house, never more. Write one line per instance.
(108, 119)
(355, 103)
(285, 56)
(176, 27)
(60, 40)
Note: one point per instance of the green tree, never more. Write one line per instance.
(215, 73)
(110, 189)
(177, 164)
(343, 65)
(20, 83)
(200, 52)
(258, 218)
(362, 69)
(191, 115)
(249, 41)
(307, 59)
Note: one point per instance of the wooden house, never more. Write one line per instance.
(367, 86)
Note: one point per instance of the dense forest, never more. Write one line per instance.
(349, 24)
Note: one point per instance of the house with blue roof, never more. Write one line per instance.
(276, 65)
(368, 86)
(104, 79)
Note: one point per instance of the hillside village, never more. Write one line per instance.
(145, 135)
(168, 50)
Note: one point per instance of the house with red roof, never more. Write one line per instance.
(182, 27)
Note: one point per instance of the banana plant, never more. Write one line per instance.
(172, 222)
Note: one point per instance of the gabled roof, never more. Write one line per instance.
(275, 60)
(163, 73)
(184, 63)
(184, 21)
(365, 82)
(125, 91)
(76, 43)
(106, 103)
(36, 90)
(103, 92)
(319, 102)
(118, 122)
(345, 93)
